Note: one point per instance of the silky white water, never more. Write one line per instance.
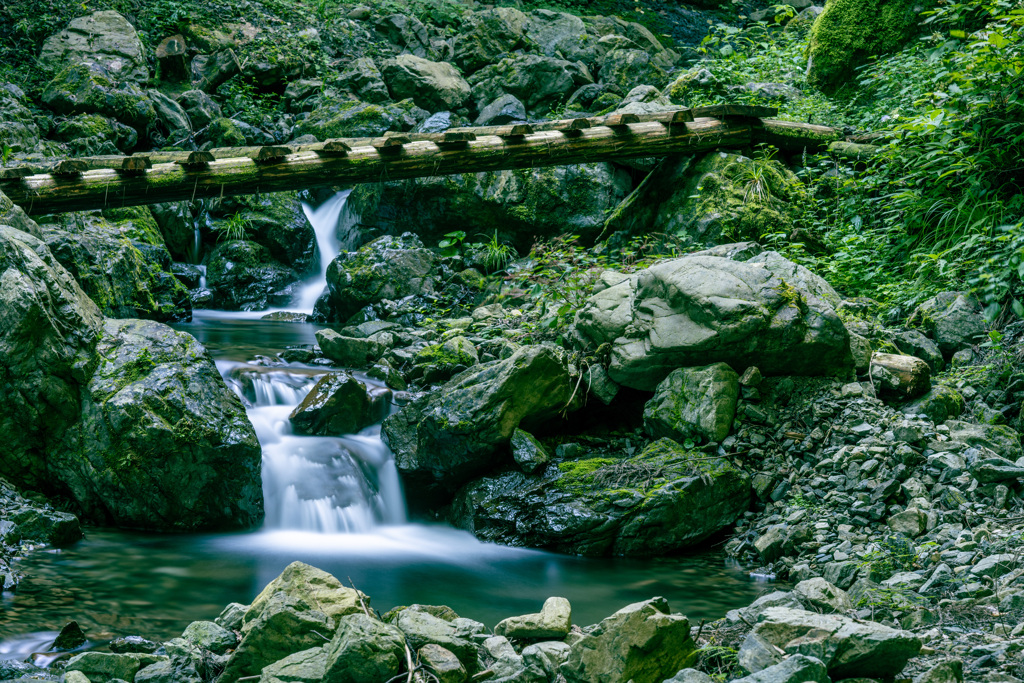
(321, 484)
(325, 220)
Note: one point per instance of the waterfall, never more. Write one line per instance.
(325, 220)
(342, 484)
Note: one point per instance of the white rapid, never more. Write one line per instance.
(327, 485)
(325, 220)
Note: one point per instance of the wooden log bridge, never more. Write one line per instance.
(103, 182)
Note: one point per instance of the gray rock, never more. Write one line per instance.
(949, 671)
(757, 654)
(911, 522)
(442, 663)
(850, 648)
(107, 665)
(703, 309)
(692, 402)
(540, 83)
(355, 119)
(349, 352)
(995, 566)
(364, 80)
(690, 676)
(900, 377)
(505, 109)
(244, 276)
(749, 614)
(435, 86)
(529, 453)
(914, 343)
(819, 594)
(231, 616)
(1000, 439)
(18, 129)
(200, 108)
(208, 635)
(422, 628)
(157, 408)
(386, 268)
(989, 468)
(364, 650)
(447, 437)
(553, 621)
(337, 404)
(105, 38)
(88, 88)
(311, 586)
(486, 34)
(953, 319)
(545, 659)
(307, 666)
(796, 669)
(939, 404)
(642, 642)
(606, 506)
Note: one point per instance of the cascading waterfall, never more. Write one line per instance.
(325, 220)
(345, 484)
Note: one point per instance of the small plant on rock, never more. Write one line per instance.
(234, 228)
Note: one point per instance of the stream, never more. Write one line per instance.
(336, 503)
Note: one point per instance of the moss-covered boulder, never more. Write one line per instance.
(720, 197)
(661, 500)
(162, 442)
(848, 32)
(703, 309)
(363, 80)
(18, 129)
(90, 134)
(355, 119)
(387, 268)
(337, 404)
(90, 89)
(435, 86)
(447, 437)
(122, 264)
(521, 204)
(627, 68)
(488, 33)
(277, 221)
(642, 642)
(541, 83)
(694, 403)
(105, 38)
(48, 332)
(243, 276)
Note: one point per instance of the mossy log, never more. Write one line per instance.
(238, 171)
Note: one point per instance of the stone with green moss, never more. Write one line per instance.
(435, 86)
(224, 132)
(703, 309)
(541, 83)
(89, 89)
(363, 79)
(86, 134)
(243, 276)
(720, 197)
(487, 33)
(462, 430)
(662, 499)
(18, 126)
(337, 404)
(529, 453)
(105, 38)
(626, 69)
(162, 442)
(387, 268)
(849, 32)
(121, 263)
(694, 403)
(355, 119)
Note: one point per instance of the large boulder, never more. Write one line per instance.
(122, 265)
(276, 220)
(702, 309)
(104, 38)
(355, 119)
(387, 268)
(363, 79)
(364, 650)
(310, 585)
(162, 443)
(48, 333)
(608, 506)
(953, 319)
(630, 67)
(243, 276)
(718, 197)
(849, 32)
(447, 437)
(435, 86)
(87, 88)
(337, 404)
(694, 402)
(488, 33)
(520, 205)
(92, 134)
(849, 648)
(641, 642)
(18, 129)
(541, 83)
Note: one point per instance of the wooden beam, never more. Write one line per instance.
(164, 182)
(721, 111)
(791, 136)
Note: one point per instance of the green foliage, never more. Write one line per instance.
(497, 254)
(451, 245)
(234, 228)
